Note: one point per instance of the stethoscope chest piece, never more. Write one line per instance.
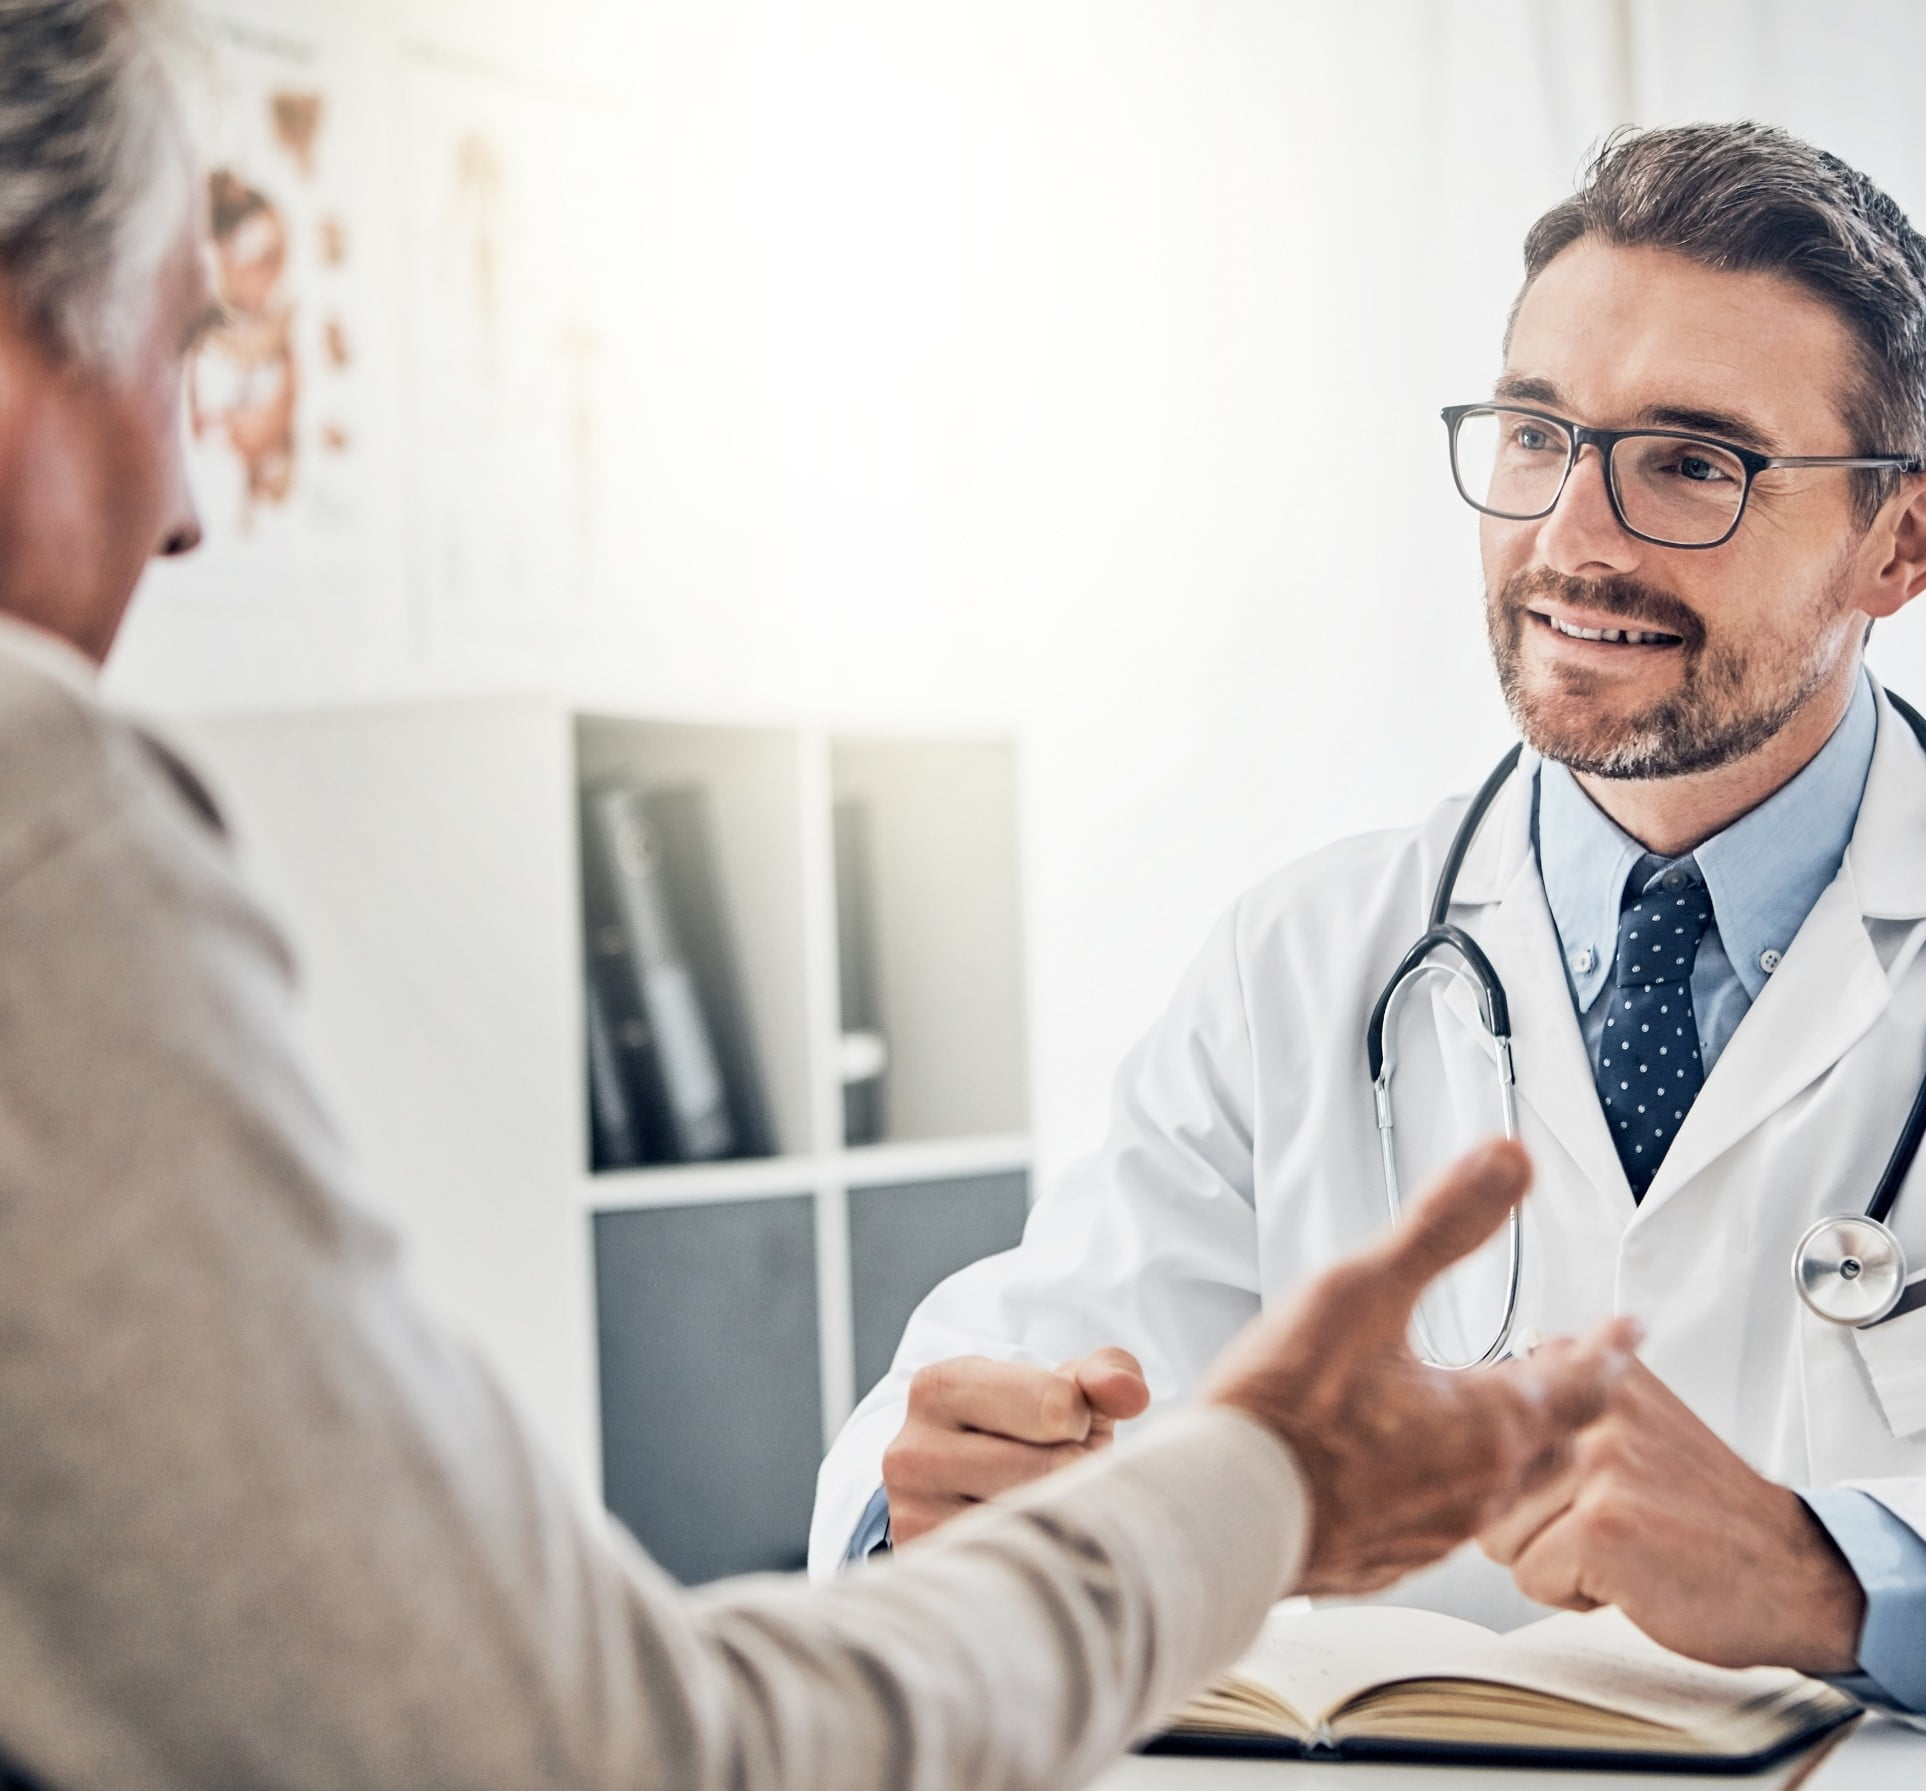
(1850, 1270)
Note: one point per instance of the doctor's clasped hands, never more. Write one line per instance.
(1655, 1514)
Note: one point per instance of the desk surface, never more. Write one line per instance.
(1878, 1756)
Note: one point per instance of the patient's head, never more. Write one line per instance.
(103, 290)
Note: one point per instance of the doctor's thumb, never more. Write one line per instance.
(1459, 1211)
(1112, 1382)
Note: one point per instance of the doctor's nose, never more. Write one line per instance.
(1582, 537)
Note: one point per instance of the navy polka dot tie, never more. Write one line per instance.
(1649, 1072)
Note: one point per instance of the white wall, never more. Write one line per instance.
(1068, 364)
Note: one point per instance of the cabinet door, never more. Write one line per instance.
(711, 1381)
(903, 1240)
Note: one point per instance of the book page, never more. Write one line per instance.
(1316, 1660)
(1383, 1670)
(1601, 1657)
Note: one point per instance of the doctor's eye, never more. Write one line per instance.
(1536, 438)
(1700, 469)
(1693, 463)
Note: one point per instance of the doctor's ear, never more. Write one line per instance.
(1898, 535)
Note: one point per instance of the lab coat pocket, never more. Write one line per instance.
(1894, 1354)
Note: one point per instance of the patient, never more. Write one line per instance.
(260, 1521)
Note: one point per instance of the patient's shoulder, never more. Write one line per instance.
(55, 733)
(68, 762)
(186, 782)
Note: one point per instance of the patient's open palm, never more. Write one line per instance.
(1406, 1461)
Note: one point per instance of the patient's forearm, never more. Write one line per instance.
(1024, 1645)
(263, 1522)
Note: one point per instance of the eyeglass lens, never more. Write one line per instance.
(1684, 492)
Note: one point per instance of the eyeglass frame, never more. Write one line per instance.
(1606, 440)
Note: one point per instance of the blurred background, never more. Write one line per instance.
(959, 480)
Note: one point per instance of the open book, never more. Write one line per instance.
(1377, 1682)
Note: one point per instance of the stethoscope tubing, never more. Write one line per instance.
(1495, 1009)
(1913, 1133)
(1407, 977)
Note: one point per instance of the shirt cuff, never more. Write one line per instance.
(1889, 1556)
(872, 1530)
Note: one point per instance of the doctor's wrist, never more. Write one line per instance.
(1823, 1600)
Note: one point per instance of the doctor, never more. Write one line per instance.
(1678, 626)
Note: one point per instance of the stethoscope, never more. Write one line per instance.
(1849, 1269)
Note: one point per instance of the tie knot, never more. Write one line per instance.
(1659, 934)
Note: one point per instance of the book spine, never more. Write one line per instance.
(863, 1054)
(698, 912)
(611, 1113)
(689, 1077)
(628, 1105)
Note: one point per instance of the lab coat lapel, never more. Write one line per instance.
(1501, 902)
(1831, 988)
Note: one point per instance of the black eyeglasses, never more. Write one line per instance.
(1666, 486)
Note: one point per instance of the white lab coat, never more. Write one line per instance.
(1242, 1157)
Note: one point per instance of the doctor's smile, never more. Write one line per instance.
(1610, 635)
(1673, 945)
(1634, 620)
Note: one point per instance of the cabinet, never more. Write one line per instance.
(688, 1336)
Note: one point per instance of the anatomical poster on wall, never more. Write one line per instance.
(274, 393)
(522, 261)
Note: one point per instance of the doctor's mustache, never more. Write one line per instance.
(1623, 599)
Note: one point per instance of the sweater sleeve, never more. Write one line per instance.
(262, 1521)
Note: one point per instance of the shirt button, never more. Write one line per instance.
(1581, 960)
(1769, 960)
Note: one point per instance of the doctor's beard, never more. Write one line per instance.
(1730, 699)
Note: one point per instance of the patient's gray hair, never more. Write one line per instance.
(93, 171)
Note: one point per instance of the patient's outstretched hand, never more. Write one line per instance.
(1406, 1461)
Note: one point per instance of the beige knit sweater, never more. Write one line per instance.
(262, 1523)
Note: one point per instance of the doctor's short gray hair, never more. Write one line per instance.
(93, 172)
(1752, 198)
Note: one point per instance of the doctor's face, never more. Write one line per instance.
(1723, 645)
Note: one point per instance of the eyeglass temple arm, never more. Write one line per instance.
(1903, 463)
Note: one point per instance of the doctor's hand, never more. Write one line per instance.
(1657, 1516)
(1404, 1462)
(976, 1428)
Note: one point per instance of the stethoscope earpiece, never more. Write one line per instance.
(1850, 1270)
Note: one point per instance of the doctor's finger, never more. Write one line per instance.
(1553, 1568)
(1508, 1538)
(1457, 1213)
(1112, 1382)
(1007, 1399)
(1565, 1387)
(1573, 1383)
(951, 1465)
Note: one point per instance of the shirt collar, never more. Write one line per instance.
(50, 654)
(1764, 872)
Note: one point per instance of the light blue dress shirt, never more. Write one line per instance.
(1764, 873)
(872, 1528)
